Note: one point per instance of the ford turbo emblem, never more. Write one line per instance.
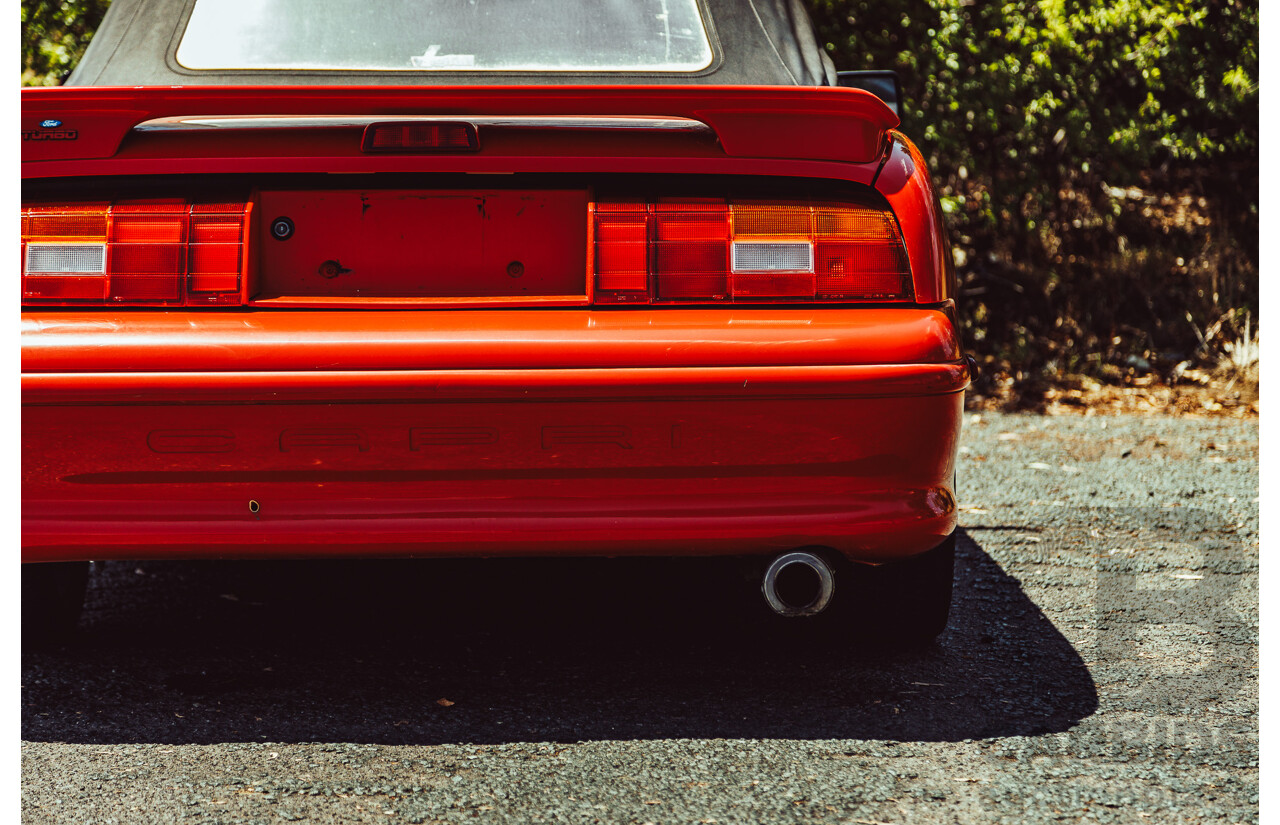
(50, 124)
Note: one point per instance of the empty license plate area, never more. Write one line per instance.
(415, 244)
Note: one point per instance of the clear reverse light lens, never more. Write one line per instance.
(66, 259)
(772, 257)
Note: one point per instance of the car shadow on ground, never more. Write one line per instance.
(487, 652)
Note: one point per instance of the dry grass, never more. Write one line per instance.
(1216, 398)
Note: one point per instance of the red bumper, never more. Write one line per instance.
(274, 434)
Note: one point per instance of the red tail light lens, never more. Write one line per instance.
(622, 249)
(691, 245)
(146, 246)
(134, 253)
(747, 251)
(215, 251)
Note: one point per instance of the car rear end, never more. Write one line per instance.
(619, 281)
(548, 324)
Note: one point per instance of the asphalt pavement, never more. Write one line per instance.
(1100, 665)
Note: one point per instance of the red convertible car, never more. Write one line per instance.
(390, 278)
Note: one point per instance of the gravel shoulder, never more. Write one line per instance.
(1100, 665)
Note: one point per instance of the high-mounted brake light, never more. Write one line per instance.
(134, 253)
(420, 136)
(714, 250)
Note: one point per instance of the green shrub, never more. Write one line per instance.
(54, 35)
(1098, 166)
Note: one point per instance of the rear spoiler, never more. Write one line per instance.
(803, 123)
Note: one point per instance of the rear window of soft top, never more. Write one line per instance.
(446, 35)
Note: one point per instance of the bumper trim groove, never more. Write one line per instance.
(330, 387)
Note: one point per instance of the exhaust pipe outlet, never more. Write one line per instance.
(798, 583)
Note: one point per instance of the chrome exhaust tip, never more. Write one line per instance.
(798, 583)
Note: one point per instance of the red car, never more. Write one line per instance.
(538, 278)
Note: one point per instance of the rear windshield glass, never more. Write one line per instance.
(446, 35)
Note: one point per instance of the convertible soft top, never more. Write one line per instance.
(420, 42)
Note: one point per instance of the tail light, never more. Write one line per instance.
(715, 250)
(420, 136)
(135, 253)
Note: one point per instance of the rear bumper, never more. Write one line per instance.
(647, 443)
